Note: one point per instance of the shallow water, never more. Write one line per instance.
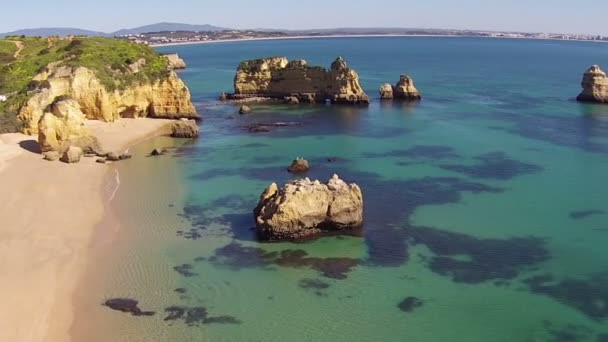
(486, 214)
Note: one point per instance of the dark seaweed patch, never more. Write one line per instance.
(567, 333)
(181, 290)
(236, 257)
(316, 284)
(589, 296)
(579, 215)
(410, 304)
(427, 152)
(602, 338)
(196, 316)
(185, 270)
(467, 259)
(495, 165)
(127, 306)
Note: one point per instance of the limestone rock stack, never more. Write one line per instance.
(403, 90)
(595, 86)
(296, 81)
(175, 61)
(304, 209)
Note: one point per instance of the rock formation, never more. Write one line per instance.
(185, 128)
(595, 86)
(299, 165)
(72, 155)
(62, 126)
(175, 61)
(304, 208)
(278, 78)
(403, 90)
(244, 110)
(167, 97)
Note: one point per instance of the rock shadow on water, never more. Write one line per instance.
(589, 296)
(196, 316)
(126, 305)
(237, 257)
(583, 214)
(495, 165)
(472, 260)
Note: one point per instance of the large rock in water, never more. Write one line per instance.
(63, 126)
(185, 128)
(167, 97)
(403, 90)
(595, 86)
(278, 78)
(304, 209)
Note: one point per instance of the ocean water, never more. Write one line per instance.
(486, 205)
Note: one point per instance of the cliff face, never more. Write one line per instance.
(175, 61)
(278, 78)
(166, 97)
(595, 86)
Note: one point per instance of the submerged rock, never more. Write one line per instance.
(279, 79)
(403, 90)
(185, 129)
(72, 155)
(127, 306)
(305, 208)
(595, 86)
(299, 165)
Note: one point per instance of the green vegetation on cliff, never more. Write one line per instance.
(109, 58)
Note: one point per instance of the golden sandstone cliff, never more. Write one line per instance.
(595, 86)
(167, 97)
(295, 81)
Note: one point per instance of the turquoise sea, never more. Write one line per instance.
(486, 205)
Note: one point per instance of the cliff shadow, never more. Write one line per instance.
(30, 146)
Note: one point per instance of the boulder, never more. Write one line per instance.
(299, 165)
(101, 160)
(245, 110)
(62, 126)
(112, 156)
(185, 129)
(278, 78)
(175, 61)
(292, 100)
(595, 86)
(305, 209)
(157, 152)
(386, 92)
(125, 156)
(72, 155)
(51, 155)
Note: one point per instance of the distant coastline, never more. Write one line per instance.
(365, 36)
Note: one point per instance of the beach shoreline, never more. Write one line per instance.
(49, 219)
(359, 36)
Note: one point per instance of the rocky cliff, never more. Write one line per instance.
(163, 98)
(595, 86)
(175, 61)
(403, 90)
(304, 208)
(279, 78)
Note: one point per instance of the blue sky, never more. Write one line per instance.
(582, 16)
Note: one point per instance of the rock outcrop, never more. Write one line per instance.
(595, 86)
(72, 155)
(278, 78)
(304, 209)
(175, 61)
(185, 128)
(167, 97)
(244, 110)
(403, 90)
(299, 165)
(62, 126)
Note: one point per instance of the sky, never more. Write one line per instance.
(557, 16)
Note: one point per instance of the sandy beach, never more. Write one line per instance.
(49, 212)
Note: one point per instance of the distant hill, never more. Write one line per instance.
(53, 31)
(163, 27)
